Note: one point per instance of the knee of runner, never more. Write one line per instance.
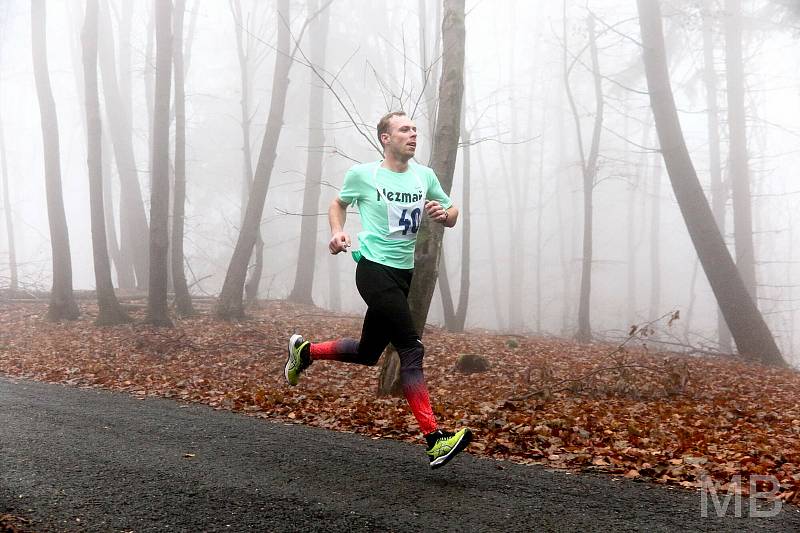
(411, 358)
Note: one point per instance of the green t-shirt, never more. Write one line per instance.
(369, 186)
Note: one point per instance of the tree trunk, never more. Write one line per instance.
(589, 170)
(62, 301)
(244, 51)
(750, 332)
(430, 73)
(562, 190)
(508, 184)
(125, 271)
(584, 333)
(133, 219)
(466, 226)
(446, 295)
(443, 158)
(109, 310)
(719, 189)
(429, 67)
(125, 70)
(518, 193)
(256, 271)
(455, 317)
(183, 300)
(539, 215)
(443, 161)
(306, 257)
(633, 242)
(389, 383)
(157, 311)
(126, 278)
(517, 201)
(9, 219)
(738, 160)
(230, 305)
(334, 285)
(125, 274)
(655, 244)
(689, 315)
(148, 77)
(631, 298)
(490, 231)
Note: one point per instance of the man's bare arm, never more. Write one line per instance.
(337, 215)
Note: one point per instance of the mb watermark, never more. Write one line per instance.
(758, 502)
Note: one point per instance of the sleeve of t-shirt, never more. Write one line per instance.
(350, 188)
(435, 191)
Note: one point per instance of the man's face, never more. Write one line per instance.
(402, 137)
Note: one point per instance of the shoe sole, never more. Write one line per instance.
(460, 445)
(292, 340)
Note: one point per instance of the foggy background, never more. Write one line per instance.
(526, 204)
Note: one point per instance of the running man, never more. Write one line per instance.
(391, 196)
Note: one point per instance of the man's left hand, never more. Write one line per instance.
(436, 212)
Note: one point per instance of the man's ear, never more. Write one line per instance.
(382, 138)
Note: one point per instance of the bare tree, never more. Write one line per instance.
(632, 240)
(655, 240)
(306, 258)
(133, 219)
(589, 171)
(62, 301)
(125, 271)
(719, 190)
(517, 193)
(751, 334)
(490, 231)
(737, 159)
(244, 50)
(443, 158)
(230, 305)
(9, 219)
(539, 250)
(124, 54)
(183, 300)
(566, 243)
(429, 62)
(148, 79)
(109, 310)
(125, 274)
(456, 317)
(249, 59)
(157, 311)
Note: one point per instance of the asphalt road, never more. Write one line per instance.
(91, 460)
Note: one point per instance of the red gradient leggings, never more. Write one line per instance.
(388, 319)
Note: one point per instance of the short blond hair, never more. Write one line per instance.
(383, 123)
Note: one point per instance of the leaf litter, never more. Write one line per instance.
(629, 412)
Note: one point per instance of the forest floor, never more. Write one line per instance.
(624, 410)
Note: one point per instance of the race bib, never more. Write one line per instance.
(403, 220)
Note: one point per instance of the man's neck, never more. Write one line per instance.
(394, 164)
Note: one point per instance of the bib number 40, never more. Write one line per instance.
(410, 223)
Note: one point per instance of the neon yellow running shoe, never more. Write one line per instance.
(298, 359)
(443, 445)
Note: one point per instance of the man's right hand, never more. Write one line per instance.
(340, 242)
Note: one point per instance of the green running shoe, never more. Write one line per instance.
(443, 446)
(298, 359)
